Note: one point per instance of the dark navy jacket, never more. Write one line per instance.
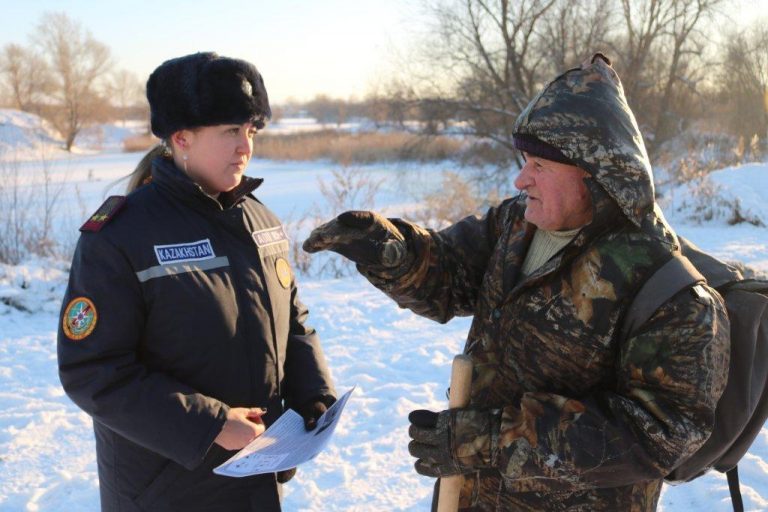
(193, 312)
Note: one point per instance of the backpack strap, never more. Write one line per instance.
(734, 489)
(677, 274)
(718, 273)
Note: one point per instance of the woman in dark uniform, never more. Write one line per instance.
(181, 333)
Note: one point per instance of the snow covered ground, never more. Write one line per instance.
(286, 125)
(24, 135)
(398, 361)
(721, 196)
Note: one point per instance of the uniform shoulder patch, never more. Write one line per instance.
(104, 214)
(79, 318)
(283, 270)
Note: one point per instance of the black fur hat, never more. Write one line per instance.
(204, 89)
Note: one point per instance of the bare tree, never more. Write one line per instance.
(686, 46)
(573, 31)
(78, 64)
(645, 22)
(490, 52)
(126, 93)
(25, 75)
(659, 56)
(744, 81)
(488, 58)
(328, 110)
(390, 103)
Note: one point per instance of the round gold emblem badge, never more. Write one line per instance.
(283, 270)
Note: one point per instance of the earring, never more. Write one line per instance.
(166, 149)
(184, 157)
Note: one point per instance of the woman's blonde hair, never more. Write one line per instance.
(144, 169)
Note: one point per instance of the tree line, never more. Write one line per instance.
(684, 64)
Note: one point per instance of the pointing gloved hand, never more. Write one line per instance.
(452, 442)
(366, 238)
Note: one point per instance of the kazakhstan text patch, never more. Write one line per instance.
(179, 253)
(269, 236)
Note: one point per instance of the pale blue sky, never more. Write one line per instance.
(337, 47)
(302, 47)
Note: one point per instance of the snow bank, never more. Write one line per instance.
(729, 196)
(24, 135)
(34, 287)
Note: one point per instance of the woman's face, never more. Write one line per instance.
(216, 156)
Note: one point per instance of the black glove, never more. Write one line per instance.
(366, 238)
(312, 409)
(439, 437)
(431, 444)
(285, 476)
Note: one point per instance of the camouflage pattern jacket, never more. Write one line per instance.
(564, 415)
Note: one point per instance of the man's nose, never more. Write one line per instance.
(523, 179)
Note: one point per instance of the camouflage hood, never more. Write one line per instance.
(584, 114)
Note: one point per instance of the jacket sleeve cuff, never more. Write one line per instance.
(513, 443)
(475, 434)
(210, 439)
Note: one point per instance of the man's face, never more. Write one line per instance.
(558, 199)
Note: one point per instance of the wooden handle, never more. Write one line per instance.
(461, 381)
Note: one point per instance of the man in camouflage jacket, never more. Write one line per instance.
(564, 414)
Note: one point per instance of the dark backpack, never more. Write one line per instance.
(743, 408)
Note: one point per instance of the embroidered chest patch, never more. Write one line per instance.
(269, 236)
(179, 253)
(80, 317)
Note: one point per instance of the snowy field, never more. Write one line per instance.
(398, 361)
